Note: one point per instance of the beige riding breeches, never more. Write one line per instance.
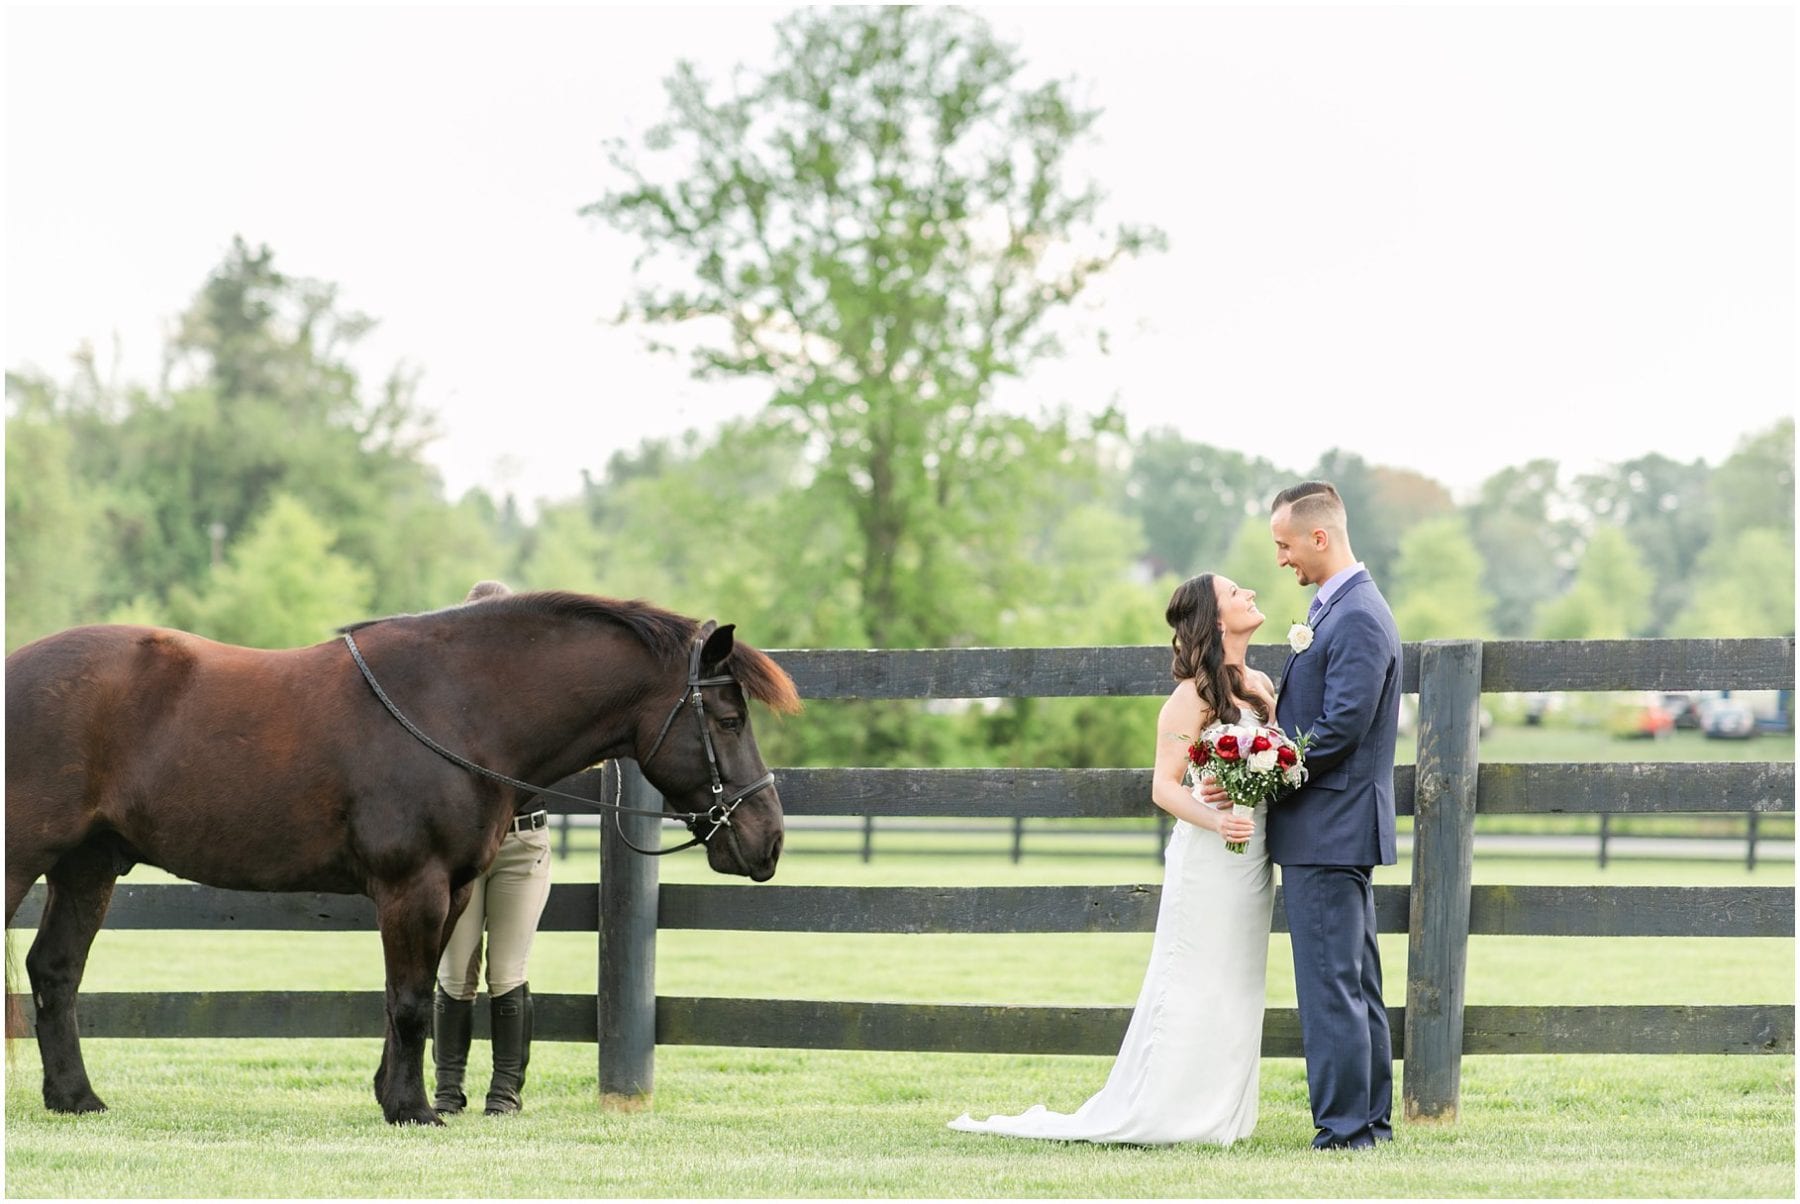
(506, 901)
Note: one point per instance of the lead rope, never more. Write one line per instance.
(619, 793)
(472, 767)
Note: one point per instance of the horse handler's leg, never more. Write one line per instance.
(19, 881)
(459, 903)
(411, 916)
(80, 889)
(18, 885)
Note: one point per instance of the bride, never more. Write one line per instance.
(1187, 1070)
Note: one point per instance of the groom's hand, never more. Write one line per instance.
(1213, 794)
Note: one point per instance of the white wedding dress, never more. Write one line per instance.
(1187, 1070)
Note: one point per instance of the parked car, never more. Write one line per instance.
(1685, 708)
(1727, 719)
(1640, 717)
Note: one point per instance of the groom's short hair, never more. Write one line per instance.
(1315, 504)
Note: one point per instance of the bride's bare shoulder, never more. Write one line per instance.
(1183, 711)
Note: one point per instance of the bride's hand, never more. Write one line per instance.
(1236, 824)
(1233, 825)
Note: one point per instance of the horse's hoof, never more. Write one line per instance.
(86, 1101)
(415, 1116)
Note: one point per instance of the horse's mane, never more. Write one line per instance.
(665, 633)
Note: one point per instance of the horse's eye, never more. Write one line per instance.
(732, 723)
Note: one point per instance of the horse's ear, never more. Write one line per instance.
(717, 647)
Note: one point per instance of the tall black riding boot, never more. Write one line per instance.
(512, 1049)
(451, 1020)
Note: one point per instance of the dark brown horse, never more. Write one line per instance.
(282, 771)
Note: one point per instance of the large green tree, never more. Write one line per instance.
(1754, 487)
(282, 586)
(881, 227)
(716, 525)
(54, 535)
(1437, 591)
(1662, 505)
(723, 524)
(1383, 503)
(264, 399)
(1742, 582)
(1191, 498)
(1526, 542)
(1742, 586)
(121, 497)
(1610, 598)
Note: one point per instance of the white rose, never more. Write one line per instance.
(1263, 761)
(1300, 637)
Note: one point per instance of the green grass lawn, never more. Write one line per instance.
(296, 1118)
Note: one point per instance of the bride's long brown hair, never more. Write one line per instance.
(1200, 649)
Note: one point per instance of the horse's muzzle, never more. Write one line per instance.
(751, 844)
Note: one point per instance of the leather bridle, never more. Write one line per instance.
(718, 815)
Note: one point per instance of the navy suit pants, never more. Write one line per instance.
(1343, 1021)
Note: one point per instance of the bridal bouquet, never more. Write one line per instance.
(1253, 763)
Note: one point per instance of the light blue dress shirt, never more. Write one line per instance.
(1330, 588)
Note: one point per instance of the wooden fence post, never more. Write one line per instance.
(626, 1000)
(1442, 866)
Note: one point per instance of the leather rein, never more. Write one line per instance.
(718, 815)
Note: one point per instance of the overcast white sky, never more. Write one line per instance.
(1446, 238)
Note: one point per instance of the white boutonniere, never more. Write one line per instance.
(1300, 637)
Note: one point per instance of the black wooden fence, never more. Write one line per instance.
(1438, 911)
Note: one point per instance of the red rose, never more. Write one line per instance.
(1285, 757)
(1260, 743)
(1197, 753)
(1226, 747)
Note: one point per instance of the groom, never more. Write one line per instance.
(1341, 686)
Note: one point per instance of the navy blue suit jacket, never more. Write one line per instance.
(1345, 691)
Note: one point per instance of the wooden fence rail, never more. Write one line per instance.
(928, 1027)
(1695, 911)
(1438, 911)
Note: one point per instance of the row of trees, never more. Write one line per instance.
(262, 494)
(880, 227)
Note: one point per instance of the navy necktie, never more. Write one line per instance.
(1312, 612)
